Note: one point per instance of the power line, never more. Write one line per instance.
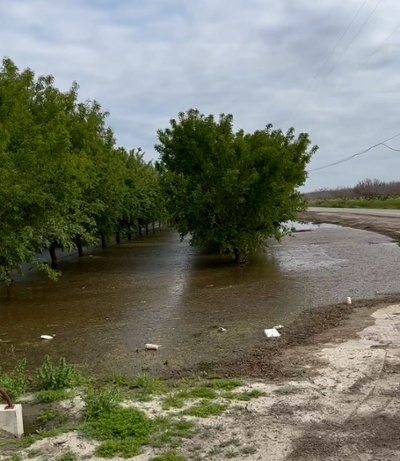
(382, 143)
(391, 148)
(318, 72)
(354, 37)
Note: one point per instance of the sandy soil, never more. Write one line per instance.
(385, 225)
(341, 401)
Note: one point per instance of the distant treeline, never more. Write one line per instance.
(368, 189)
(63, 181)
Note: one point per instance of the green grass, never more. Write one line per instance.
(100, 401)
(172, 401)
(50, 396)
(68, 456)
(47, 415)
(389, 203)
(124, 431)
(205, 409)
(223, 384)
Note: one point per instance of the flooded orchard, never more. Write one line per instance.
(156, 289)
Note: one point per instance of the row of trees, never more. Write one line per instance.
(64, 182)
(366, 189)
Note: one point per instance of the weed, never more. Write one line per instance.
(248, 450)
(232, 441)
(126, 448)
(33, 453)
(46, 415)
(214, 451)
(172, 401)
(244, 396)
(98, 402)
(232, 454)
(225, 384)
(68, 456)
(53, 377)
(198, 393)
(286, 390)
(205, 409)
(51, 395)
(16, 457)
(170, 456)
(146, 386)
(16, 381)
(169, 431)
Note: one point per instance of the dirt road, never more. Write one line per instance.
(386, 222)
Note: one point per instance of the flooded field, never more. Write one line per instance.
(156, 289)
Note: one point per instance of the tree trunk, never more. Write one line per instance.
(154, 228)
(118, 236)
(103, 240)
(79, 247)
(239, 257)
(139, 227)
(159, 226)
(147, 229)
(129, 233)
(53, 256)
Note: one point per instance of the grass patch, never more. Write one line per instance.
(392, 203)
(100, 401)
(205, 409)
(224, 384)
(16, 381)
(55, 377)
(51, 395)
(244, 396)
(68, 456)
(172, 401)
(144, 387)
(124, 431)
(47, 415)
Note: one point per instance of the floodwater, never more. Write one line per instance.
(156, 289)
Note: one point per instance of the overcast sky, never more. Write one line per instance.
(284, 62)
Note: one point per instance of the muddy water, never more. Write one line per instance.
(155, 289)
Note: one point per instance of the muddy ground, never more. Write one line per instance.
(331, 389)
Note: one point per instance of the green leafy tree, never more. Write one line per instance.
(231, 190)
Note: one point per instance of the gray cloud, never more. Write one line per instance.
(256, 59)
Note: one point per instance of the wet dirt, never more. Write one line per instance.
(156, 289)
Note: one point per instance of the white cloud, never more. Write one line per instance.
(256, 59)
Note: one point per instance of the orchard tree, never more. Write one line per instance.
(231, 190)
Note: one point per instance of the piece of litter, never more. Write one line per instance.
(46, 337)
(278, 327)
(348, 300)
(221, 329)
(152, 347)
(272, 333)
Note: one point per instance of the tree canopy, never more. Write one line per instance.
(63, 180)
(231, 190)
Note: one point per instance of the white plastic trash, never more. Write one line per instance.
(348, 300)
(221, 329)
(272, 333)
(46, 337)
(152, 347)
(278, 327)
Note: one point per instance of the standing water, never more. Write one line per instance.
(156, 289)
